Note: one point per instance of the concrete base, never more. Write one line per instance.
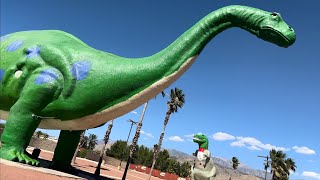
(11, 171)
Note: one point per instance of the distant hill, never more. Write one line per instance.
(100, 145)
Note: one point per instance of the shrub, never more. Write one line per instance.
(83, 153)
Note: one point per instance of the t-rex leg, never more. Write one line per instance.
(67, 144)
(21, 123)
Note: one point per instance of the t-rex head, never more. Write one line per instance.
(201, 139)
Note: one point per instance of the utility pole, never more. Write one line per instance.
(266, 165)
(132, 123)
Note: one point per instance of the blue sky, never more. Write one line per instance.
(245, 94)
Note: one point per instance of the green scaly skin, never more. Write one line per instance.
(51, 79)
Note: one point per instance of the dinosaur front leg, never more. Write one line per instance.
(17, 134)
(63, 154)
(38, 92)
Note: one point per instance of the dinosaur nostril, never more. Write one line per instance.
(290, 28)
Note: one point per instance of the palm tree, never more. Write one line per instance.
(291, 165)
(277, 163)
(106, 139)
(38, 134)
(135, 141)
(45, 136)
(235, 163)
(84, 141)
(92, 141)
(176, 101)
(280, 166)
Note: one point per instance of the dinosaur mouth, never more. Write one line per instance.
(276, 31)
(272, 35)
(196, 139)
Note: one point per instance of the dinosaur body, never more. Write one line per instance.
(51, 79)
(109, 85)
(203, 167)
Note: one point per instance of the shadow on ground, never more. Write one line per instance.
(83, 174)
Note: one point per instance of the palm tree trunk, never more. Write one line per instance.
(106, 139)
(78, 147)
(158, 147)
(134, 141)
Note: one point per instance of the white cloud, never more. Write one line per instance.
(237, 144)
(134, 112)
(254, 148)
(309, 174)
(303, 150)
(221, 136)
(189, 137)
(176, 138)
(254, 144)
(147, 134)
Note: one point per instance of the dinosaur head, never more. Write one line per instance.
(268, 26)
(273, 29)
(201, 139)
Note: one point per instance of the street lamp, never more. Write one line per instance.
(132, 123)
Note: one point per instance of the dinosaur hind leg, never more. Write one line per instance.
(67, 144)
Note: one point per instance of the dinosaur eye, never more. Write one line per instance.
(18, 73)
(274, 14)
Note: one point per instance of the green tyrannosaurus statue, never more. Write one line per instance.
(50, 79)
(203, 167)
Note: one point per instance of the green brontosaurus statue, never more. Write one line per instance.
(50, 79)
(203, 167)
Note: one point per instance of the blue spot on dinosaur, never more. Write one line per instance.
(80, 69)
(33, 52)
(3, 38)
(46, 76)
(14, 46)
(1, 74)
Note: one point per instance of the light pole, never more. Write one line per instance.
(132, 123)
(266, 165)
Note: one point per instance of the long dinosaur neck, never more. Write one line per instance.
(192, 42)
(204, 145)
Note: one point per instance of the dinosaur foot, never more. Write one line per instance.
(17, 155)
(63, 167)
